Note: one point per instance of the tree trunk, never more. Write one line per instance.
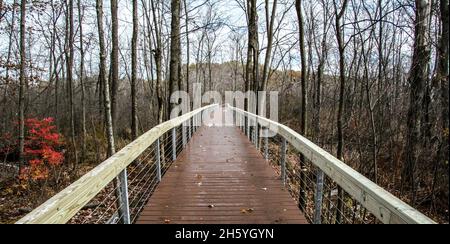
(23, 81)
(340, 122)
(270, 29)
(134, 119)
(102, 77)
(303, 119)
(323, 56)
(418, 80)
(69, 66)
(175, 50)
(82, 83)
(158, 52)
(114, 61)
(107, 103)
(188, 48)
(441, 79)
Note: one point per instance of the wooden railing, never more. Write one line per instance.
(383, 205)
(66, 204)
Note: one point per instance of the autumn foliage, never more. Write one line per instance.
(41, 149)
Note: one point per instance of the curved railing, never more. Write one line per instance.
(93, 198)
(327, 189)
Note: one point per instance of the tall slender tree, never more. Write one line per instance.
(23, 81)
(342, 77)
(442, 74)
(134, 118)
(70, 52)
(158, 54)
(102, 79)
(252, 69)
(270, 23)
(82, 82)
(304, 75)
(188, 46)
(114, 73)
(417, 80)
(175, 49)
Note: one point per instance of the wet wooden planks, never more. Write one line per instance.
(220, 178)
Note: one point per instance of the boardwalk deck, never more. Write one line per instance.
(220, 178)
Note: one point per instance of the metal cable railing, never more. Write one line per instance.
(326, 189)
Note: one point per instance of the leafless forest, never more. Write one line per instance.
(368, 80)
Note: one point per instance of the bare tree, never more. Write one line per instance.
(270, 22)
(134, 64)
(114, 73)
(418, 80)
(82, 82)
(175, 49)
(70, 52)
(102, 78)
(304, 75)
(23, 81)
(441, 80)
(158, 54)
(188, 45)
(340, 122)
(253, 58)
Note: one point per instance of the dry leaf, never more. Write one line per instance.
(167, 221)
(211, 206)
(247, 211)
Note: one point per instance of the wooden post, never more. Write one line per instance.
(318, 199)
(283, 160)
(125, 205)
(174, 144)
(158, 160)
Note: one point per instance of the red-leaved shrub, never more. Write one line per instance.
(41, 150)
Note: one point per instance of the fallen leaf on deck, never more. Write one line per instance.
(211, 206)
(167, 221)
(247, 211)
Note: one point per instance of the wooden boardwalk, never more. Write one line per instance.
(220, 178)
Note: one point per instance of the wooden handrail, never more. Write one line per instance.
(63, 206)
(382, 204)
